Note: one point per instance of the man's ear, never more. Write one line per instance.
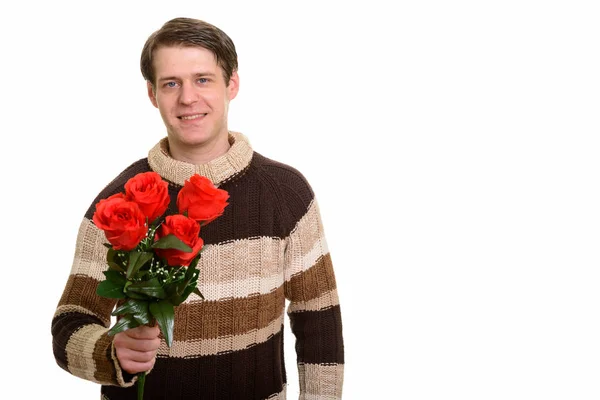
(234, 85)
(151, 94)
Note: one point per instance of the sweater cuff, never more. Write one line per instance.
(124, 378)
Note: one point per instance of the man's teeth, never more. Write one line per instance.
(193, 116)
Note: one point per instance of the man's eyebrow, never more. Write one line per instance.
(168, 78)
(174, 78)
(205, 74)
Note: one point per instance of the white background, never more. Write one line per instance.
(453, 147)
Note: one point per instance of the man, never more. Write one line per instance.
(268, 246)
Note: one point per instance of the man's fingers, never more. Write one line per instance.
(133, 367)
(136, 356)
(136, 348)
(143, 332)
(135, 344)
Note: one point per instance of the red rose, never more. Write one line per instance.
(150, 192)
(201, 199)
(122, 221)
(188, 231)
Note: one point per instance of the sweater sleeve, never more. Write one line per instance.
(81, 322)
(314, 309)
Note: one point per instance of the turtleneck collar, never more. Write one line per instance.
(219, 170)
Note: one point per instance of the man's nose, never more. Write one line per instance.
(188, 94)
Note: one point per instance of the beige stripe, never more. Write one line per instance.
(321, 382)
(307, 396)
(326, 300)
(80, 350)
(233, 269)
(90, 253)
(306, 243)
(241, 267)
(278, 396)
(319, 250)
(205, 347)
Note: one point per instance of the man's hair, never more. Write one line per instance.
(188, 32)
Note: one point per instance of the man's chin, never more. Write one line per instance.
(197, 139)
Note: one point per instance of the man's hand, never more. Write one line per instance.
(136, 348)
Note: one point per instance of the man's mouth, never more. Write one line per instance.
(190, 117)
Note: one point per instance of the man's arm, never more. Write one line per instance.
(314, 309)
(81, 322)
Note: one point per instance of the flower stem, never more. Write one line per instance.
(140, 385)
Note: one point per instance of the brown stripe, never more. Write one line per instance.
(313, 282)
(105, 371)
(212, 319)
(222, 344)
(325, 325)
(81, 290)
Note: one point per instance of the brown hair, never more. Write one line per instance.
(190, 32)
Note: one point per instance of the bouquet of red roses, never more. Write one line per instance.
(152, 263)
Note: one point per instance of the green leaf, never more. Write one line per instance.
(110, 254)
(136, 260)
(191, 270)
(198, 293)
(142, 319)
(177, 287)
(115, 277)
(132, 306)
(114, 261)
(176, 299)
(110, 289)
(194, 262)
(184, 292)
(123, 324)
(189, 282)
(138, 296)
(164, 313)
(151, 288)
(115, 267)
(171, 242)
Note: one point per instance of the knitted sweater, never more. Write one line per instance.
(268, 246)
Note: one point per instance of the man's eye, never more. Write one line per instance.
(203, 80)
(170, 84)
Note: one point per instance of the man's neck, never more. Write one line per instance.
(200, 154)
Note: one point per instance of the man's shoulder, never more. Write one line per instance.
(118, 183)
(283, 179)
(280, 172)
(133, 169)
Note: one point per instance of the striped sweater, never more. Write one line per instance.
(267, 247)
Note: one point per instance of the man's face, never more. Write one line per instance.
(191, 95)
